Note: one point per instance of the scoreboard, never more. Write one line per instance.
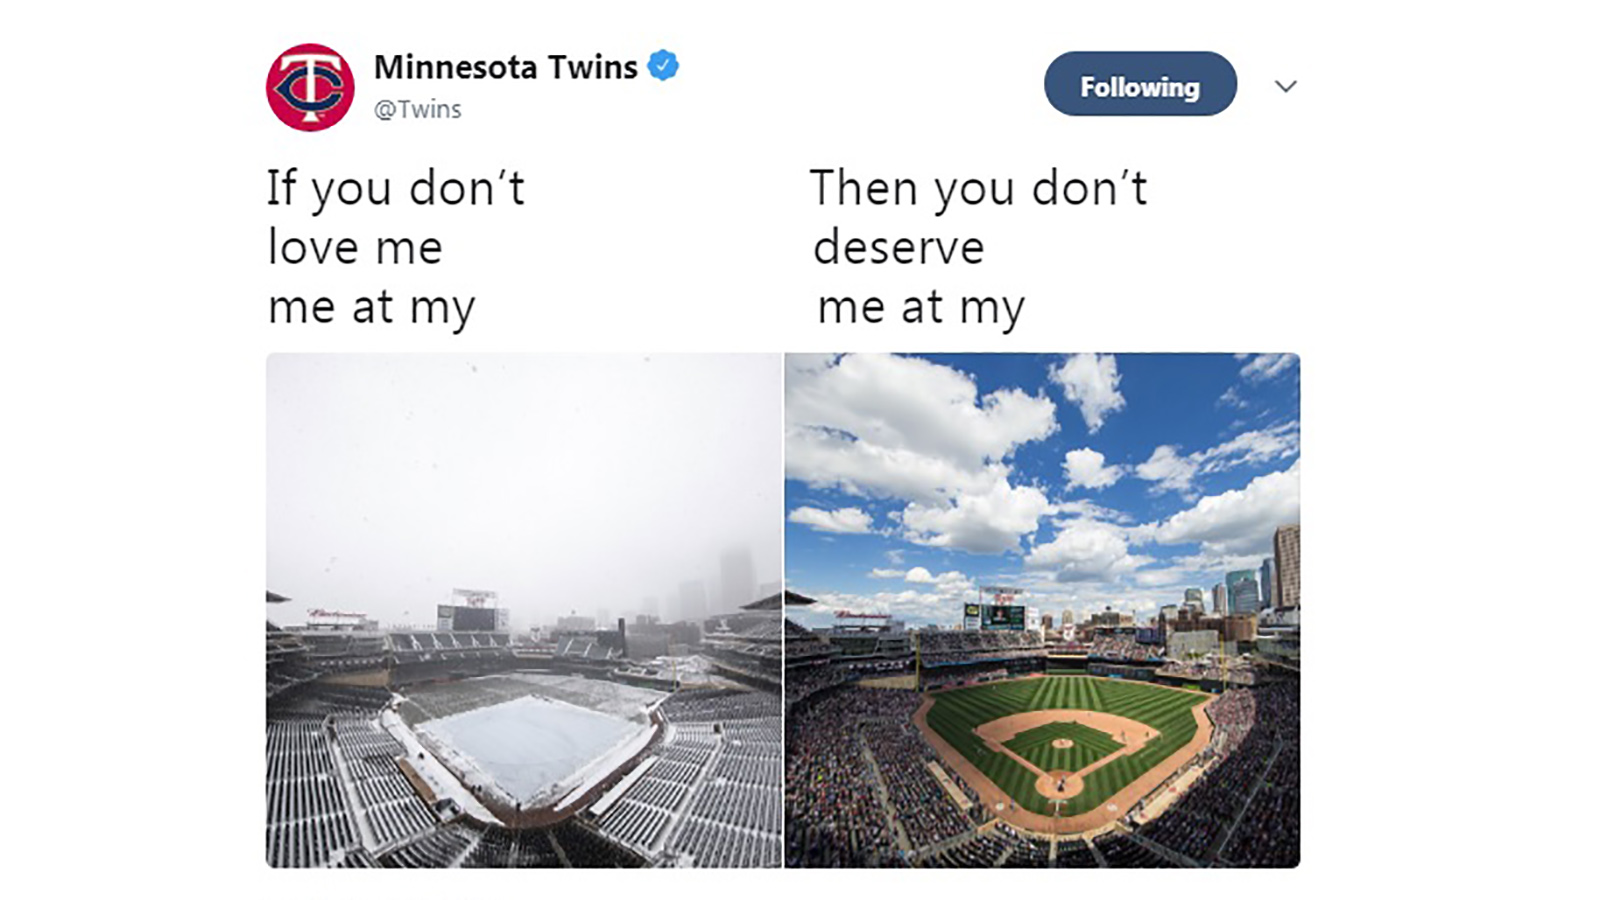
(473, 618)
(992, 617)
(1005, 618)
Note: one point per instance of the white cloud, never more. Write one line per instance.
(1087, 468)
(1088, 509)
(1173, 471)
(887, 573)
(911, 606)
(1165, 577)
(1085, 550)
(1267, 366)
(1230, 397)
(1253, 448)
(1090, 381)
(990, 522)
(910, 429)
(1169, 470)
(831, 459)
(1236, 522)
(903, 411)
(946, 582)
(849, 520)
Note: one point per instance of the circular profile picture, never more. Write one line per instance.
(310, 87)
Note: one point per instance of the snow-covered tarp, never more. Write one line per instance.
(533, 749)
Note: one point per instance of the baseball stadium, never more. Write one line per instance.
(989, 744)
(469, 746)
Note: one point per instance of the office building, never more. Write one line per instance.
(1286, 566)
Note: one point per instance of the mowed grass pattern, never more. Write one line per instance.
(955, 713)
(1088, 745)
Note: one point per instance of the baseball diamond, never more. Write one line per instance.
(1084, 745)
(1065, 754)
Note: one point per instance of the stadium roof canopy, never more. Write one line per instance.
(276, 598)
(773, 602)
(790, 598)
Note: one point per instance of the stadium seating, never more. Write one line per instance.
(441, 849)
(1245, 810)
(836, 814)
(711, 797)
(308, 819)
(385, 798)
(945, 647)
(1124, 649)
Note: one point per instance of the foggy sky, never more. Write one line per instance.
(562, 482)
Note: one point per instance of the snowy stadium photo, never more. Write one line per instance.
(474, 659)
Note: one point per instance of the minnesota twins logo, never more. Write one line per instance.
(310, 87)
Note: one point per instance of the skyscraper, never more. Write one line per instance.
(738, 578)
(1194, 597)
(1244, 594)
(1268, 585)
(1219, 600)
(1286, 565)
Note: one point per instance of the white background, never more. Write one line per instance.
(1415, 219)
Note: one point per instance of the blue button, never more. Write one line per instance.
(1139, 83)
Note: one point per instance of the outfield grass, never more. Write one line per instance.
(1088, 745)
(955, 713)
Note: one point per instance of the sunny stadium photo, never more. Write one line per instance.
(1042, 611)
(496, 638)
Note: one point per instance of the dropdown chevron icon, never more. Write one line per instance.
(1286, 88)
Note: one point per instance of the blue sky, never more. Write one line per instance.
(1091, 480)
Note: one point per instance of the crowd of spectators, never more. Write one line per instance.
(981, 852)
(938, 647)
(1122, 851)
(1249, 796)
(965, 675)
(836, 816)
(925, 808)
(1124, 647)
(1006, 848)
(1237, 671)
(800, 682)
(800, 643)
(1268, 832)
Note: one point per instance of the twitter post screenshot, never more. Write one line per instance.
(786, 443)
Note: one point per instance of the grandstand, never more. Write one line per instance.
(387, 749)
(710, 795)
(865, 786)
(748, 647)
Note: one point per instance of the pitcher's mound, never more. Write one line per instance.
(1061, 743)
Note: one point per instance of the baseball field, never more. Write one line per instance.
(1065, 753)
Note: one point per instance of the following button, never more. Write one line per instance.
(1140, 83)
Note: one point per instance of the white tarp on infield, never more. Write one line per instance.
(531, 748)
